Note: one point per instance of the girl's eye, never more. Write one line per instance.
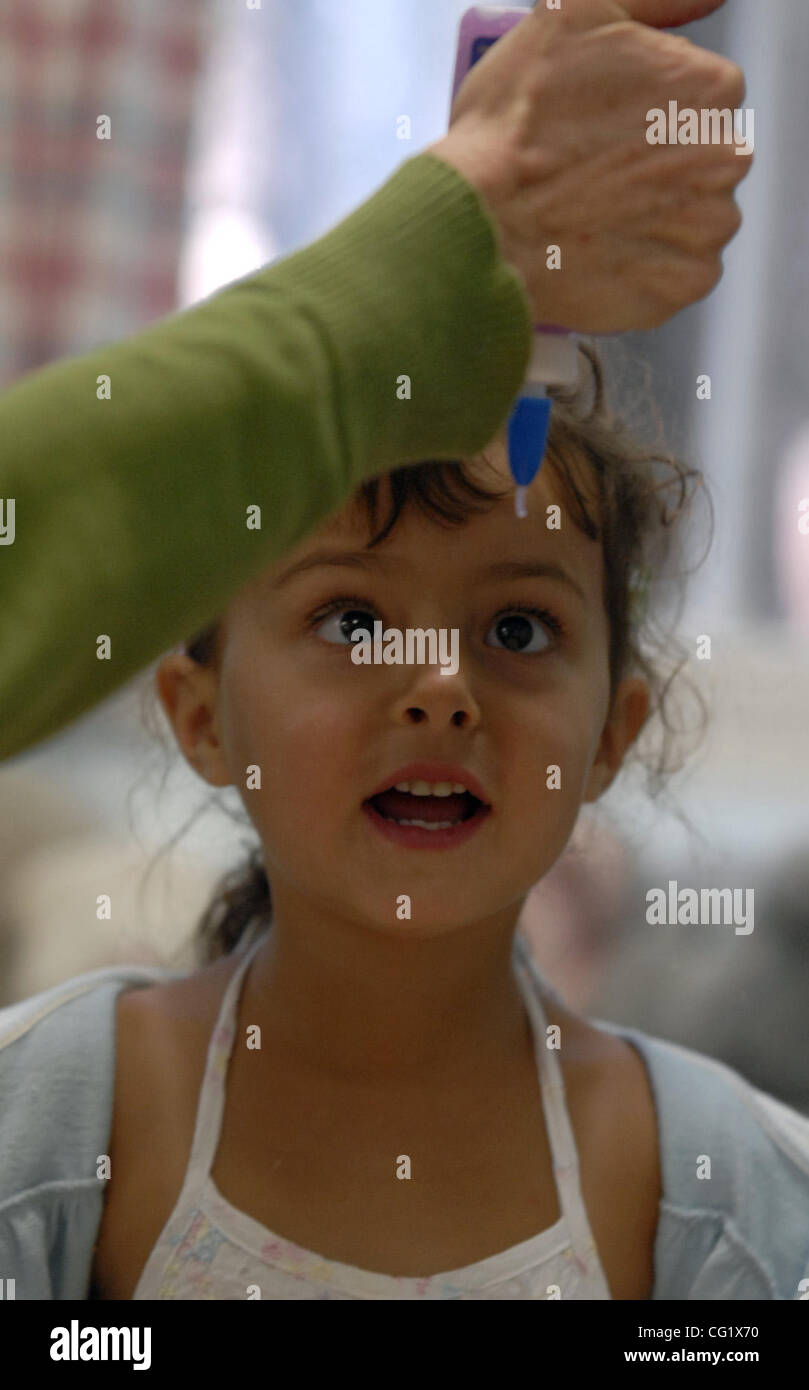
(341, 620)
(343, 616)
(514, 629)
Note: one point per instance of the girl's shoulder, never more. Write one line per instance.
(66, 1030)
(185, 997)
(63, 1043)
(57, 1062)
(735, 1169)
(162, 1036)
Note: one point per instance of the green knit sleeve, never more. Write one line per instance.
(129, 470)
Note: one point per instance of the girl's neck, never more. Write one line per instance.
(377, 1007)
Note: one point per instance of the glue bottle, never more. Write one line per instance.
(554, 358)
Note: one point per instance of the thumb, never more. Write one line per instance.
(659, 14)
(668, 14)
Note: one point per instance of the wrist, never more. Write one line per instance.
(484, 171)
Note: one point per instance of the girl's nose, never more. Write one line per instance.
(440, 700)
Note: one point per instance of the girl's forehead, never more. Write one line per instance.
(487, 533)
(490, 472)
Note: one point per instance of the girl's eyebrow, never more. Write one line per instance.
(359, 559)
(533, 569)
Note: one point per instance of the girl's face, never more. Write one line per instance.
(525, 714)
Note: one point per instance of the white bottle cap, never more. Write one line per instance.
(554, 360)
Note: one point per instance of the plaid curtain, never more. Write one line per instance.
(90, 228)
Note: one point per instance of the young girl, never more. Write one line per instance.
(370, 1091)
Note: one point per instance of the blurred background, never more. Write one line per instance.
(241, 133)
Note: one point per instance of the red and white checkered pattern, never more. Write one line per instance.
(90, 229)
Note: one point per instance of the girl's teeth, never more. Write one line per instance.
(428, 825)
(420, 788)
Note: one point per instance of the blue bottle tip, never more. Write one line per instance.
(527, 437)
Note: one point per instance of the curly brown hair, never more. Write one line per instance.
(640, 541)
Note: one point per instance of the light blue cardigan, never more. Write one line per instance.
(742, 1235)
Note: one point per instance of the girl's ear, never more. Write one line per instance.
(189, 694)
(627, 717)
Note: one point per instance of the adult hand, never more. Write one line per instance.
(550, 126)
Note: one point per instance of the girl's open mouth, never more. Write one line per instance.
(426, 822)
